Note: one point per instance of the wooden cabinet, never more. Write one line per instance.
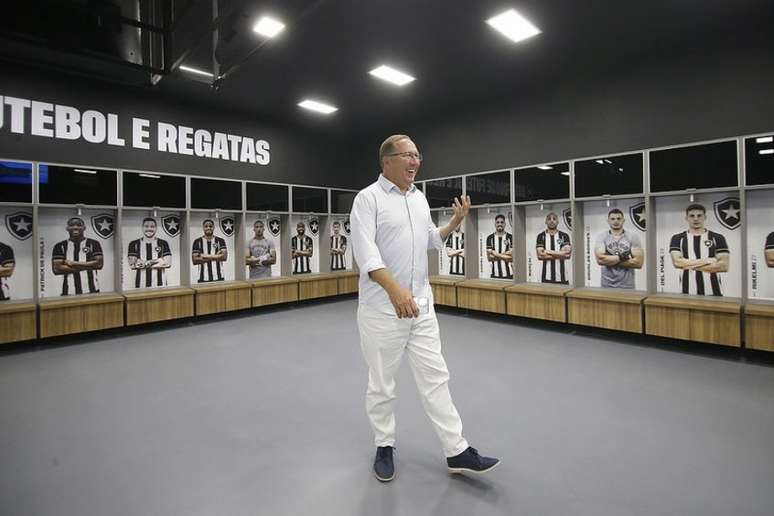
(313, 286)
(759, 325)
(347, 282)
(445, 290)
(274, 291)
(482, 295)
(716, 321)
(606, 308)
(537, 301)
(162, 304)
(18, 321)
(222, 297)
(77, 314)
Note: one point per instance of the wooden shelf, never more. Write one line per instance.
(537, 301)
(18, 321)
(77, 314)
(482, 295)
(759, 325)
(606, 308)
(445, 289)
(223, 296)
(159, 304)
(347, 282)
(274, 291)
(313, 286)
(716, 321)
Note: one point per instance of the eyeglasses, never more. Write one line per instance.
(408, 155)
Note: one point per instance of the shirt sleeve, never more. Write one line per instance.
(165, 251)
(197, 246)
(59, 251)
(343, 242)
(96, 250)
(770, 241)
(674, 244)
(599, 243)
(541, 240)
(134, 249)
(221, 244)
(434, 240)
(636, 241)
(722, 245)
(6, 255)
(363, 234)
(449, 243)
(490, 242)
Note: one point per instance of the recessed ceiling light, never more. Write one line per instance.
(765, 139)
(601, 161)
(268, 27)
(319, 107)
(82, 171)
(565, 173)
(766, 151)
(545, 167)
(513, 26)
(392, 75)
(195, 71)
(150, 176)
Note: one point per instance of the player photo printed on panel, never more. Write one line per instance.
(451, 259)
(760, 245)
(263, 235)
(15, 253)
(549, 247)
(212, 247)
(76, 252)
(304, 245)
(699, 245)
(495, 243)
(615, 244)
(340, 250)
(150, 246)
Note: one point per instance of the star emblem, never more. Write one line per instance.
(731, 212)
(172, 225)
(727, 212)
(104, 225)
(22, 225)
(274, 226)
(228, 225)
(19, 224)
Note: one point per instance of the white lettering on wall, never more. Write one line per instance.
(140, 133)
(42, 118)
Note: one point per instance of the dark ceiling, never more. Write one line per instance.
(329, 46)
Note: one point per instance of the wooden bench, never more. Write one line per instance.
(759, 325)
(274, 291)
(313, 286)
(445, 289)
(158, 304)
(347, 282)
(18, 321)
(482, 295)
(222, 296)
(697, 318)
(77, 314)
(606, 308)
(537, 301)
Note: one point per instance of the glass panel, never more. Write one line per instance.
(70, 185)
(263, 197)
(146, 189)
(214, 194)
(441, 192)
(494, 188)
(342, 201)
(759, 153)
(711, 165)
(15, 181)
(307, 200)
(543, 182)
(614, 175)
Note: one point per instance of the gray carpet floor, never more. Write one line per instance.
(263, 414)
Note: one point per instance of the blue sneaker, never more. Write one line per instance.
(470, 461)
(384, 468)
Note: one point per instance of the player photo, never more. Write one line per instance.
(618, 253)
(553, 249)
(208, 253)
(261, 252)
(149, 257)
(499, 250)
(7, 266)
(455, 252)
(338, 248)
(701, 255)
(16, 260)
(77, 260)
(301, 250)
(760, 245)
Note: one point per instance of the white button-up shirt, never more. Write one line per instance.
(392, 230)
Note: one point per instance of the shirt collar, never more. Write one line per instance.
(388, 185)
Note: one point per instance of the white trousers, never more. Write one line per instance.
(383, 339)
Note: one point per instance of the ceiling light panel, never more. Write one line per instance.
(318, 107)
(391, 75)
(268, 27)
(195, 71)
(513, 26)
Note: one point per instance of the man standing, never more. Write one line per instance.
(701, 254)
(618, 253)
(338, 248)
(74, 257)
(392, 230)
(7, 265)
(499, 250)
(149, 256)
(455, 250)
(553, 248)
(301, 249)
(261, 253)
(209, 252)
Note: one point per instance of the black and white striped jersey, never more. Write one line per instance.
(301, 264)
(500, 244)
(209, 271)
(770, 242)
(338, 243)
(6, 260)
(553, 270)
(86, 250)
(456, 241)
(694, 247)
(149, 251)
